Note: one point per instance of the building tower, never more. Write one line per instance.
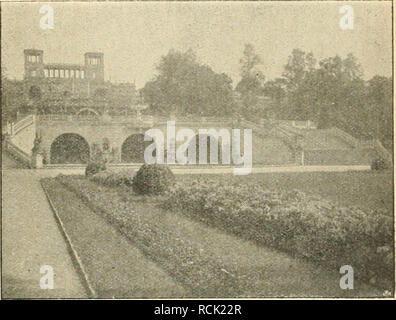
(94, 66)
(34, 65)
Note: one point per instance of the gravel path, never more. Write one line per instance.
(31, 239)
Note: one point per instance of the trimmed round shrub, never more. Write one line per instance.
(379, 164)
(153, 179)
(94, 167)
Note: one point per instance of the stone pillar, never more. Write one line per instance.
(116, 153)
(299, 156)
(9, 128)
(37, 161)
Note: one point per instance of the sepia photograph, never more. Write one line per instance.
(197, 150)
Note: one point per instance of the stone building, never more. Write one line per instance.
(72, 88)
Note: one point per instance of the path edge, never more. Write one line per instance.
(73, 253)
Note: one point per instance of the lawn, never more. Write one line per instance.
(367, 190)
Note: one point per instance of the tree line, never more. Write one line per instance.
(331, 92)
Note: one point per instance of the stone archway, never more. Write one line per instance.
(69, 148)
(132, 149)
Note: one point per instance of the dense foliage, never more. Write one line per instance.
(332, 92)
(379, 164)
(251, 86)
(114, 178)
(153, 179)
(305, 226)
(187, 87)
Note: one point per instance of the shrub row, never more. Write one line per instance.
(149, 180)
(113, 178)
(305, 226)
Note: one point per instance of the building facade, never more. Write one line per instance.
(69, 88)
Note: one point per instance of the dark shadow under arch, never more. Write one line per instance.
(132, 149)
(69, 148)
(207, 143)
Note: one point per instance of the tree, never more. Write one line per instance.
(380, 106)
(298, 66)
(298, 80)
(340, 93)
(276, 91)
(185, 86)
(251, 85)
(329, 93)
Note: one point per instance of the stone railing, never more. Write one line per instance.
(19, 139)
(93, 118)
(346, 137)
(65, 117)
(266, 129)
(17, 153)
(138, 120)
(14, 128)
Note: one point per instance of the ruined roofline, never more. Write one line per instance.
(33, 51)
(64, 65)
(40, 52)
(93, 53)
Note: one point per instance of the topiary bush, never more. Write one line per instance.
(153, 179)
(379, 164)
(94, 167)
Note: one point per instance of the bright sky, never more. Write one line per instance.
(133, 36)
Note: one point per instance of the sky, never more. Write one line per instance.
(134, 35)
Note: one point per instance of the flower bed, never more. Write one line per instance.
(305, 226)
